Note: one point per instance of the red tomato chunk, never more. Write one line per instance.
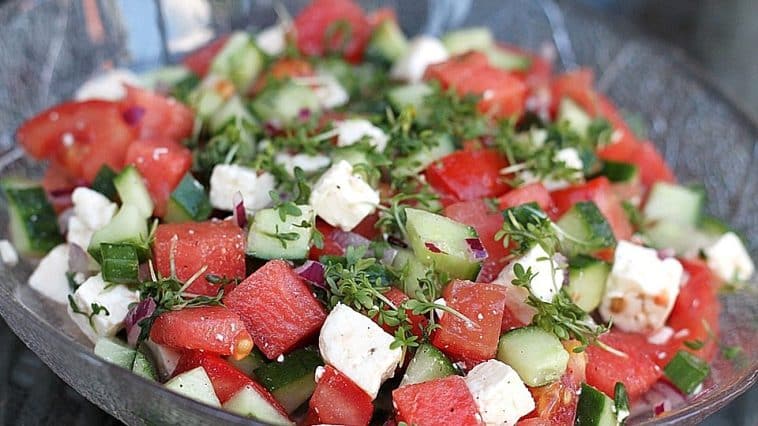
(162, 163)
(162, 117)
(337, 400)
(469, 175)
(440, 402)
(327, 26)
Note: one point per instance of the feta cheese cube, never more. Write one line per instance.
(359, 348)
(329, 91)
(499, 393)
(641, 289)
(343, 199)
(166, 359)
(729, 259)
(108, 86)
(354, 130)
(228, 179)
(422, 52)
(272, 40)
(92, 208)
(546, 283)
(78, 233)
(115, 298)
(308, 163)
(570, 157)
(8, 253)
(49, 279)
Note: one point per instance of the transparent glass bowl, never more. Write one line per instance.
(47, 48)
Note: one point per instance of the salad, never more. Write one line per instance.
(326, 222)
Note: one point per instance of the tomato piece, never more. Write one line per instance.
(330, 248)
(226, 379)
(337, 400)
(599, 191)
(469, 175)
(219, 245)
(162, 164)
(163, 117)
(510, 321)
(532, 193)
(443, 402)
(502, 94)
(472, 341)
(326, 26)
(278, 308)
(653, 167)
(578, 86)
(637, 370)
(487, 223)
(214, 329)
(367, 227)
(556, 403)
(199, 61)
(418, 322)
(58, 185)
(80, 136)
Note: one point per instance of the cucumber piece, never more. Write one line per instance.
(675, 203)
(270, 237)
(115, 351)
(506, 60)
(33, 224)
(120, 263)
(209, 96)
(686, 371)
(587, 277)
(683, 239)
(292, 380)
(714, 227)
(283, 103)
(618, 172)
(441, 242)
(128, 226)
(239, 60)
(183, 89)
(428, 363)
(409, 95)
(467, 39)
(412, 270)
(144, 366)
(188, 202)
(132, 190)
(195, 384)
(576, 117)
(595, 408)
(354, 154)
(249, 403)
(537, 356)
(587, 229)
(103, 183)
(420, 160)
(250, 363)
(165, 76)
(231, 111)
(387, 43)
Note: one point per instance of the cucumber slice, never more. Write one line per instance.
(188, 202)
(270, 237)
(506, 60)
(207, 97)
(683, 239)
(144, 366)
(409, 95)
(33, 224)
(587, 229)
(595, 408)
(103, 183)
(387, 43)
(587, 277)
(195, 384)
(441, 242)
(292, 380)
(249, 403)
(250, 363)
(686, 371)
(128, 226)
(467, 39)
(428, 363)
(675, 203)
(576, 117)
(232, 111)
(283, 104)
(165, 76)
(537, 356)
(618, 172)
(240, 61)
(132, 190)
(115, 351)
(420, 160)
(412, 270)
(120, 263)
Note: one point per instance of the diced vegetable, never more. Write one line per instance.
(440, 401)
(595, 408)
(195, 384)
(250, 363)
(427, 364)
(119, 263)
(587, 277)
(249, 403)
(144, 366)
(586, 228)
(33, 224)
(578, 120)
(686, 371)
(387, 42)
(619, 172)
(337, 400)
(674, 203)
(188, 202)
(239, 60)
(128, 226)
(132, 190)
(537, 356)
(283, 104)
(291, 381)
(466, 39)
(270, 237)
(103, 183)
(115, 351)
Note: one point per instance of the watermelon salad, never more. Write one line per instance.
(326, 222)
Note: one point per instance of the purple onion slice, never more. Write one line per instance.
(134, 115)
(433, 247)
(142, 310)
(477, 248)
(313, 272)
(240, 215)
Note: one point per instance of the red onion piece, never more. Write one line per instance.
(433, 248)
(659, 408)
(396, 242)
(142, 310)
(78, 260)
(63, 220)
(304, 114)
(388, 256)
(349, 239)
(664, 254)
(240, 215)
(477, 248)
(272, 128)
(133, 115)
(313, 272)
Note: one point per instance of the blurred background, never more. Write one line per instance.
(719, 35)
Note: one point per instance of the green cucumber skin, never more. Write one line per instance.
(428, 363)
(144, 366)
(387, 43)
(132, 190)
(33, 222)
(538, 357)
(594, 408)
(115, 352)
(283, 104)
(250, 363)
(240, 61)
(128, 226)
(291, 381)
(120, 263)
(468, 39)
(585, 222)
(587, 276)
(618, 172)
(264, 246)
(188, 202)
(675, 203)
(103, 183)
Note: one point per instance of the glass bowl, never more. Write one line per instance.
(48, 48)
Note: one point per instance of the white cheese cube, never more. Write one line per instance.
(343, 199)
(78, 233)
(94, 209)
(308, 163)
(547, 281)
(8, 253)
(641, 289)
(359, 348)
(499, 393)
(422, 52)
(115, 298)
(228, 179)
(108, 86)
(570, 157)
(354, 130)
(329, 91)
(166, 359)
(729, 259)
(272, 40)
(49, 279)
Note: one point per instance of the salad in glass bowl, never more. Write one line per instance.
(328, 223)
